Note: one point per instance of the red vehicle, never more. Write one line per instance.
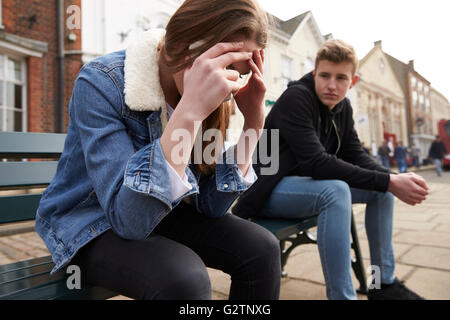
(444, 133)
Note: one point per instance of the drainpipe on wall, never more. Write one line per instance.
(59, 119)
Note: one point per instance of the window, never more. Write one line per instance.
(413, 82)
(286, 71)
(12, 94)
(422, 102)
(414, 94)
(427, 105)
(420, 86)
(430, 127)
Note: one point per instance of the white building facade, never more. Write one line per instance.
(104, 31)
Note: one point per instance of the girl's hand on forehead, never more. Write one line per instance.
(208, 81)
(250, 98)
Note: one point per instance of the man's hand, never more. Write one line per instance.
(409, 187)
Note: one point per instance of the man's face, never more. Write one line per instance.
(333, 80)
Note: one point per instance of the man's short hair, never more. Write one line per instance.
(338, 51)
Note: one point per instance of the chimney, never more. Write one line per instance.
(377, 44)
(411, 64)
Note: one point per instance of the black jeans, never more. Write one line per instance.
(171, 262)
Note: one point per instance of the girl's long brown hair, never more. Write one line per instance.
(206, 23)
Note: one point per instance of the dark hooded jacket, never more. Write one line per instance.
(313, 142)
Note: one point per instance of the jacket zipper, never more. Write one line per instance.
(337, 133)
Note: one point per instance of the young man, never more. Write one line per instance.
(323, 170)
(400, 155)
(384, 153)
(436, 153)
(415, 152)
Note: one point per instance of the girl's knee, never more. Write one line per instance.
(260, 252)
(187, 284)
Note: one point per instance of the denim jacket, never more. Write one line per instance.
(112, 173)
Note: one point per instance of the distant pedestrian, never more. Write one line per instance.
(416, 153)
(383, 152)
(436, 153)
(400, 154)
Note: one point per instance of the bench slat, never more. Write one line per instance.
(31, 280)
(283, 228)
(59, 291)
(23, 274)
(18, 208)
(24, 264)
(31, 145)
(27, 283)
(22, 174)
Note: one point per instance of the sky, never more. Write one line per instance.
(409, 29)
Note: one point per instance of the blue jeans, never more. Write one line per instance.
(438, 163)
(401, 163)
(385, 162)
(331, 200)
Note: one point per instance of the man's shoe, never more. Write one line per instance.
(394, 291)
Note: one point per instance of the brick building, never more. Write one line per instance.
(30, 56)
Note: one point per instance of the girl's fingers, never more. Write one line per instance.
(258, 59)
(234, 86)
(229, 58)
(232, 75)
(255, 68)
(221, 48)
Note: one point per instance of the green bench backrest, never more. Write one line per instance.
(42, 150)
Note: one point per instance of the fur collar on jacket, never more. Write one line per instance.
(143, 90)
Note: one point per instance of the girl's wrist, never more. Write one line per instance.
(189, 111)
(255, 124)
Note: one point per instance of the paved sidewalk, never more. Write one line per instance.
(421, 244)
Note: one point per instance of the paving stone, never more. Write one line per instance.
(431, 257)
(414, 217)
(399, 248)
(305, 265)
(430, 284)
(4, 259)
(220, 281)
(443, 227)
(302, 290)
(420, 226)
(12, 253)
(442, 218)
(425, 238)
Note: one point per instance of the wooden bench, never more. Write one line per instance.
(295, 233)
(31, 279)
